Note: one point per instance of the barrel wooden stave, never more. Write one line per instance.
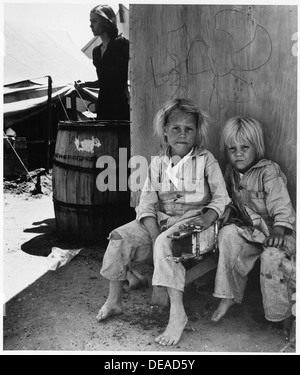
(81, 210)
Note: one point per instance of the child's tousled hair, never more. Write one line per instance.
(240, 129)
(185, 105)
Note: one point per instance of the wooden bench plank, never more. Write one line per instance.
(200, 269)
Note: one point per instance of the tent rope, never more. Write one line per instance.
(86, 107)
(61, 102)
(64, 108)
(5, 136)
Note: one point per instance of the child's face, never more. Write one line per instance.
(241, 156)
(181, 132)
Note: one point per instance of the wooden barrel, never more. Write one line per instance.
(82, 210)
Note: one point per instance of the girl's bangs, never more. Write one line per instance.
(238, 137)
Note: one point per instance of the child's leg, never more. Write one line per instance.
(278, 279)
(113, 304)
(236, 259)
(128, 245)
(167, 272)
(171, 275)
(177, 319)
(224, 305)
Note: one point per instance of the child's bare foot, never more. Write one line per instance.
(174, 330)
(108, 310)
(222, 309)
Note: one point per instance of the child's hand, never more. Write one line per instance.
(274, 241)
(79, 84)
(205, 220)
(276, 238)
(200, 221)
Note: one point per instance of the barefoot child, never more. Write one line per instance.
(184, 185)
(259, 223)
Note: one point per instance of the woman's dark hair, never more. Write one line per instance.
(106, 12)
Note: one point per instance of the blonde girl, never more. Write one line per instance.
(259, 223)
(165, 204)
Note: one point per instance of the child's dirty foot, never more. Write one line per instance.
(222, 309)
(173, 332)
(108, 310)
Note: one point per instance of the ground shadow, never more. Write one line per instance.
(49, 237)
(43, 226)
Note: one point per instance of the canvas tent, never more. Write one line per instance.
(40, 66)
(31, 56)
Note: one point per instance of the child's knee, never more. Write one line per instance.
(226, 238)
(275, 259)
(227, 232)
(114, 235)
(162, 238)
(271, 255)
(162, 245)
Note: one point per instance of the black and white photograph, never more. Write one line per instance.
(149, 201)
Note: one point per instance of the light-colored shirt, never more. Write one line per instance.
(172, 171)
(200, 187)
(263, 190)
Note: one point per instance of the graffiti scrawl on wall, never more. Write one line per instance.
(224, 52)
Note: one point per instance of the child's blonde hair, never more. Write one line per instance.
(185, 105)
(240, 129)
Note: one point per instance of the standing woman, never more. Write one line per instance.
(111, 61)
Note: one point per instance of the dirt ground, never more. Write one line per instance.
(55, 310)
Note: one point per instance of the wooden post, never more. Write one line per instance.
(230, 59)
(121, 13)
(74, 107)
(49, 123)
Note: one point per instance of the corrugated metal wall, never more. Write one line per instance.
(230, 59)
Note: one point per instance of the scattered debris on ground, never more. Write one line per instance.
(30, 184)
